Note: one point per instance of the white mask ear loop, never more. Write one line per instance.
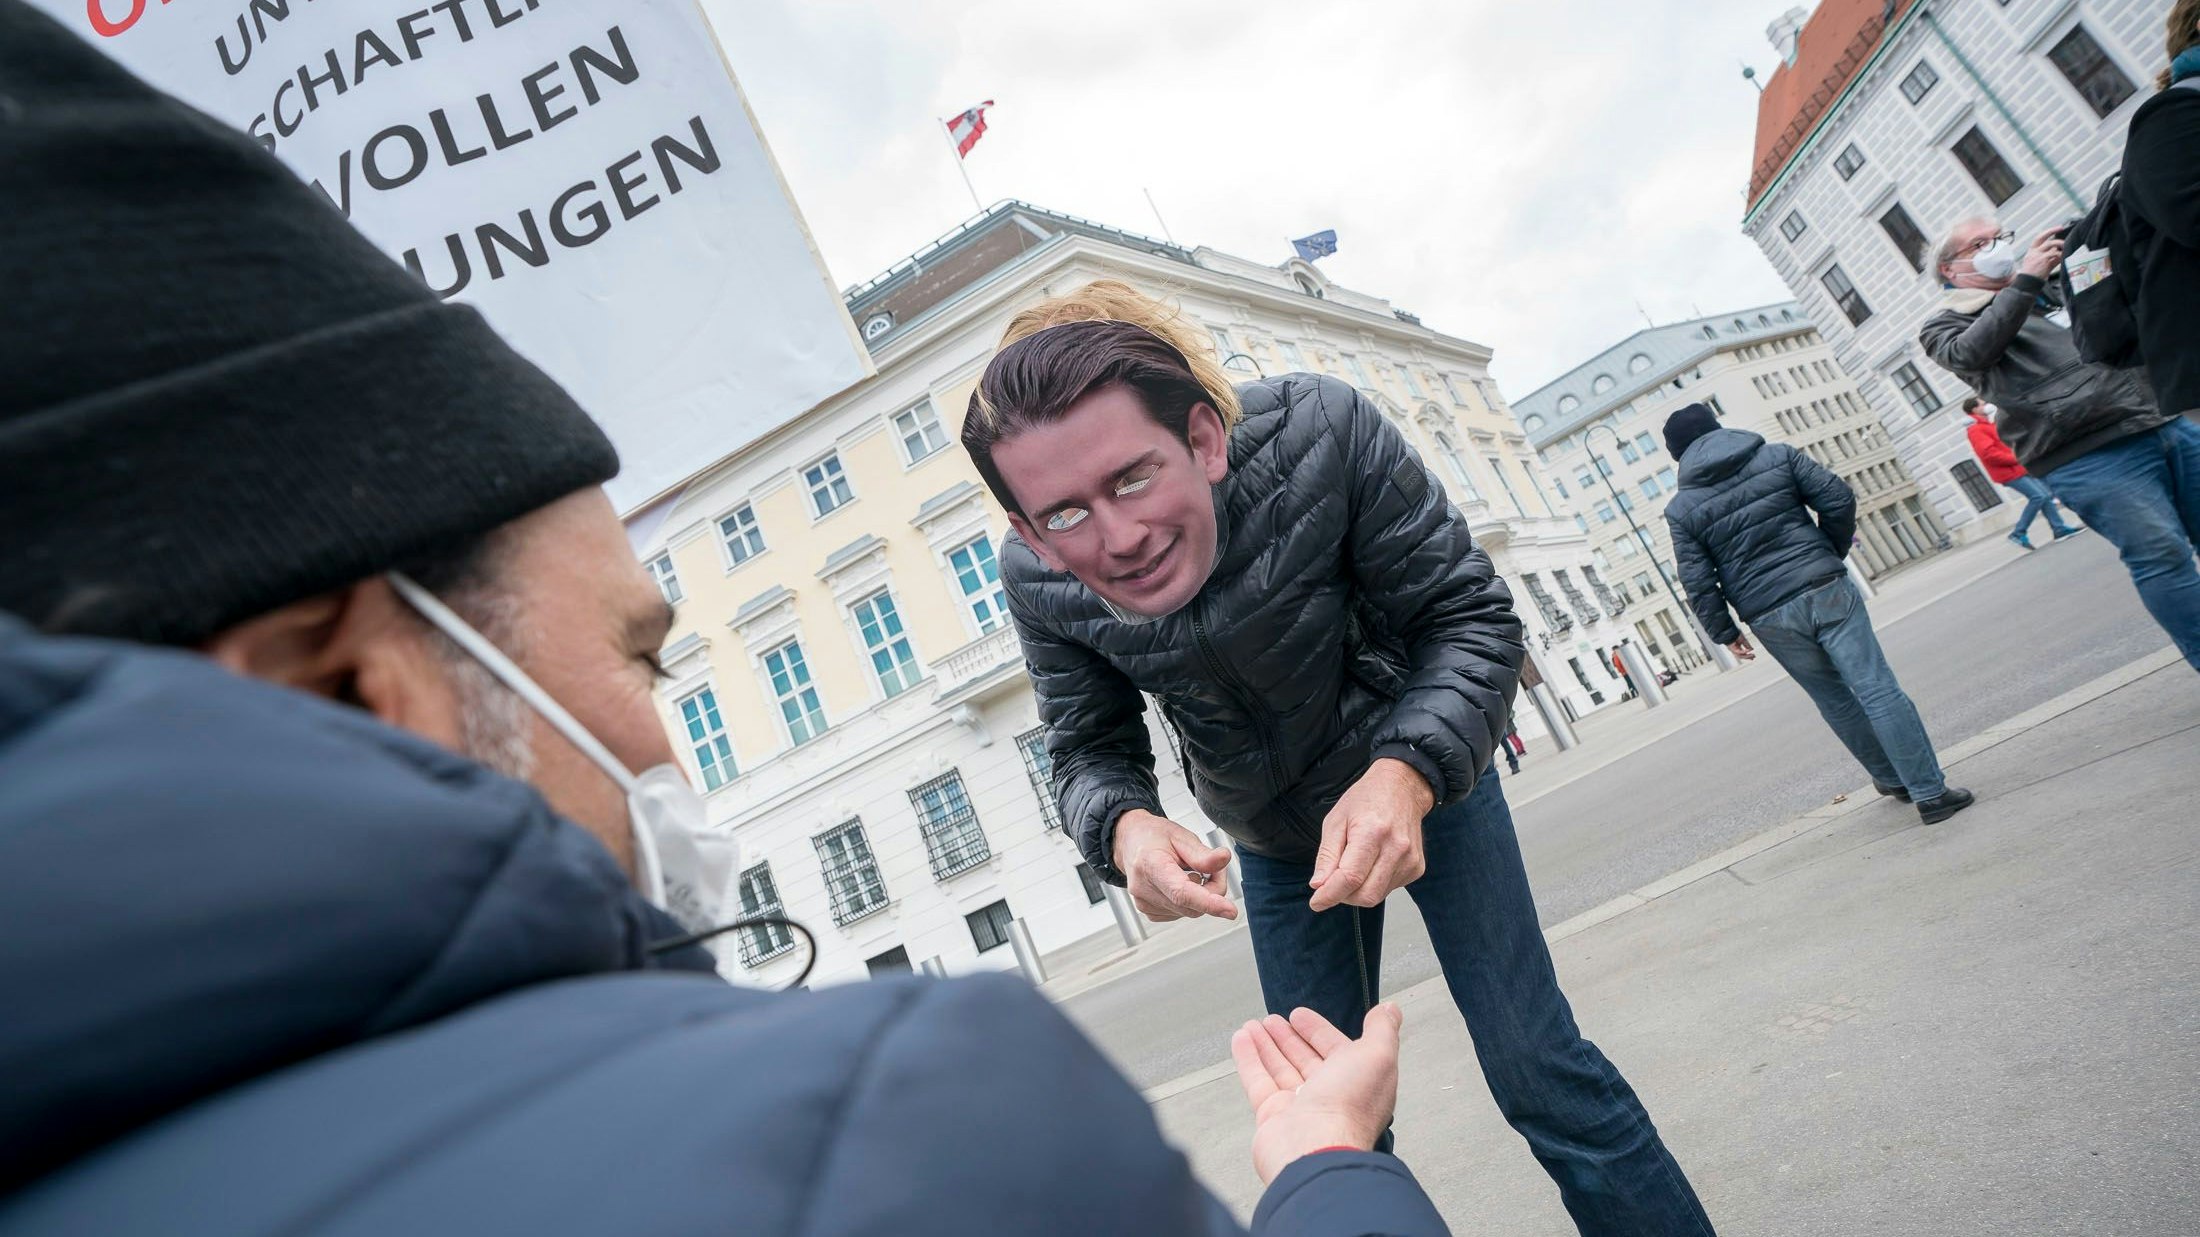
(444, 619)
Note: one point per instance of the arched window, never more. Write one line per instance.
(1710, 331)
(878, 324)
(1638, 363)
(1307, 284)
(1567, 403)
(1603, 383)
(1531, 423)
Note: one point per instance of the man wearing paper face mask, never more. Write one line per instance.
(2093, 433)
(331, 823)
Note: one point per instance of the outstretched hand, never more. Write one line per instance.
(1312, 1088)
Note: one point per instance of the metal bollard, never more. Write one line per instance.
(1554, 719)
(1127, 919)
(1232, 887)
(1721, 656)
(935, 966)
(1644, 674)
(1027, 954)
(1856, 577)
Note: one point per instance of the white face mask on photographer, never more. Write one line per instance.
(1997, 261)
(680, 864)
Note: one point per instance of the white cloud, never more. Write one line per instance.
(1518, 172)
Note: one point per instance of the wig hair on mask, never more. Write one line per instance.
(1103, 335)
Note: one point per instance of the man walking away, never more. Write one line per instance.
(2092, 432)
(2001, 465)
(1743, 537)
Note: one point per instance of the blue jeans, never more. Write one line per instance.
(2143, 494)
(1824, 639)
(2038, 498)
(1579, 1116)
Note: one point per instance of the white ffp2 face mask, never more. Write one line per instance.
(681, 865)
(1997, 261)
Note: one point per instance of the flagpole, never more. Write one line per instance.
(947, 131)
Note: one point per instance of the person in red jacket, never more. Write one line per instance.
(2001, 465)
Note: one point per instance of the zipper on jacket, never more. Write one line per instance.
(1263, 724)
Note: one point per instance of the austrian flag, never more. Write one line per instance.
(967, 128)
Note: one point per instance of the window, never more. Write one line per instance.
(1497, 469)
(744, 540)
(1651, 488)
(921, 435)
(2081, 60)
(1582, 521)
(797, 696)
(950, 826)
(1292, 358)
(1603, 383)
(1451, 388)
(1604, 466)
(1902, 230)
(1628, 453)
(1647, 444)
(760, 896)
(978, 574)
(1605, 514)
(1992, 172)
(989, 925)
(668, 580)
(1626, 502)
(1628, 548)
(1920, 392)
(1536, 483)
(706, 735)
(1668, 479)
(1039, 767)
(1413, 384)
(1567, 403)
(1643, 584)
(1845, 295)
(828, 484)
(1359, 373)
(1224, 345)
(1640, 362)
(1095, 891)
(1458, 465)
(1717, 409)
(1975, 486)
(894, 961)
(1586, 481)
(1920, 82)
(1849, 161)
(1560, 482)
(892, 660)
(851, 874)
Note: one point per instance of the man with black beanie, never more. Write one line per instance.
(1745, 541)
(331, 890)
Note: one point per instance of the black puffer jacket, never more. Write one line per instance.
(1349, 617)
(1742, 531)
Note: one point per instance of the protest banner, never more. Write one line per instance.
(587, 174)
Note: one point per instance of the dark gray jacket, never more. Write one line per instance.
(1743, 535)
(1349, 617)
(2055, 405)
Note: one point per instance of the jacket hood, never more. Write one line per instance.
(204, 879)
(1718, 455)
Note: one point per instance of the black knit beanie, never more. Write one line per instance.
(216, 398)
(1686, 426)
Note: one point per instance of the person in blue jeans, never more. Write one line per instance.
(2002, 467)
(1745, 542)
(2142, 492)
(1277, 567)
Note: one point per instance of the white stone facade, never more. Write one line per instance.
(1994, 74)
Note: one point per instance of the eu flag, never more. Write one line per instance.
(1319, 245)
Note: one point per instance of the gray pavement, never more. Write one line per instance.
(1748, 752)
(1856, 1023)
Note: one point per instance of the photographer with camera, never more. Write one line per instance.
(2094, 433)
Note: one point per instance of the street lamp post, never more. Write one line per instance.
(1258, 372)
(1718, 653)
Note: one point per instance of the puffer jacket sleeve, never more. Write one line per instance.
(1972, 345)
(1700, 578)
(1096, 729)
(1414, 562)
(1825, 493)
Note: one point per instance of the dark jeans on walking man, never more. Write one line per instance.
(2143, 493)
(1581, 1119)
(1824, 640)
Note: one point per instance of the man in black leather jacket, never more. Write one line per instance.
(1744, 542)
(1276, 566)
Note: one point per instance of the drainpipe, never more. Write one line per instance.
(2023, 135)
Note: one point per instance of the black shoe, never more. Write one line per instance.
(1952, 800)
(1899, 792)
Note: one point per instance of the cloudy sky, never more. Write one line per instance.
(1518, 172)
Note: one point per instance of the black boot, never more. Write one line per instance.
(1899, 792)
(1952, 800)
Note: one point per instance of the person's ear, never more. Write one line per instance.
(1038, 544)
(360, 645)
(1209, 441)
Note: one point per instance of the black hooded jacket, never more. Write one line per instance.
(1743, 535)
(1349, 617)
